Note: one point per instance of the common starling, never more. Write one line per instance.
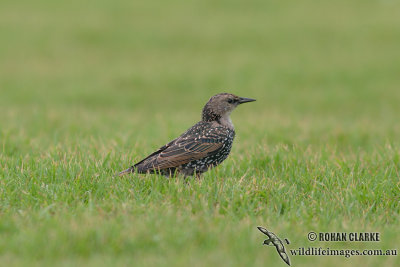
(203, 146)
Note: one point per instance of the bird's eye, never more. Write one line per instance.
(230, 100)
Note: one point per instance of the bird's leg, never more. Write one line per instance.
(198, 174)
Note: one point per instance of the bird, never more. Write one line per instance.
(202, 147)
(273, 240)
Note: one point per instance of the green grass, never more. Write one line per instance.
(86, 89)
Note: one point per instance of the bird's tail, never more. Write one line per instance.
(130, 170)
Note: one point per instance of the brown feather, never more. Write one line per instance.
(186, 148)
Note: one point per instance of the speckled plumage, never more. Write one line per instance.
(203, 146)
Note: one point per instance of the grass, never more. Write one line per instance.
(86, 89)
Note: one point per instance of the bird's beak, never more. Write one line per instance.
(245, 100)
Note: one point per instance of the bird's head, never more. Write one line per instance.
(220, 106)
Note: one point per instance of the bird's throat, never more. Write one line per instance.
(226, 121)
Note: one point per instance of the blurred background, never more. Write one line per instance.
(333, 65)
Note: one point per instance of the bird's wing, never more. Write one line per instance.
(284, 256)
(264, 231)
(198, 142)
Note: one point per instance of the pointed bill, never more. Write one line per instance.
(245, 100)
